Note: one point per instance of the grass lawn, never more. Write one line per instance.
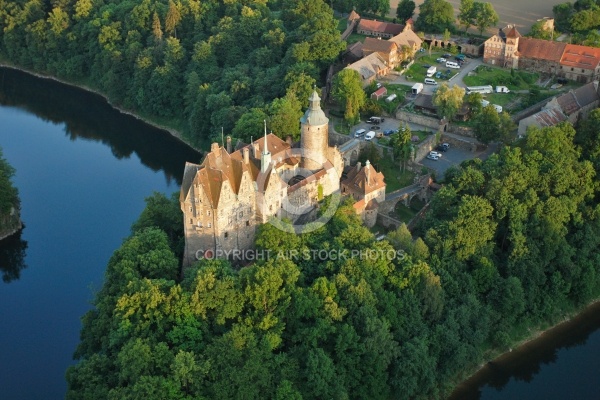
(394, 178)
(502, 99)
(399, 91)
(417, 71)
(487, 75)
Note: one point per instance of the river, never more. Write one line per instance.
(83, 171)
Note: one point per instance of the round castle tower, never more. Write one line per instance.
(314, 138)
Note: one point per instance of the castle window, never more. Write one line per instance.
(241, 214)
(191, 209)
(209, 225)
(199, 224)
(191, 221)
(208, 213)
(247, 223)
(571, 69)
(226, 235)
(582, 71)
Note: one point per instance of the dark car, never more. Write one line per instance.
(426, 66)
(562, 81)
(447, 55)
(388, 132)
(441, 148)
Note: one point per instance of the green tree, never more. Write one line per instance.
(474, 100)
(539, 31)
(491, 126)
(484, 15)
(466, 13)
(285, 116)
(347, 89)
(405, 10)
(448, 100)
(250, 125)
(435, 16)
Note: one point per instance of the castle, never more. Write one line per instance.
(230, 193)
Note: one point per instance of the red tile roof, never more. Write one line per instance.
(580, 56)
(382, 46)
(380, 26)
(513, 33)
(541, 49)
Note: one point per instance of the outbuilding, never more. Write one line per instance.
(379, 93)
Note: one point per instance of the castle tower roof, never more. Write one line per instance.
(314, 115)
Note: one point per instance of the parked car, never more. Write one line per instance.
(441, 60)
(432, 157)
(438, 74)
(388, 132)
(447, 55)
(359, 133)
(435, 153)
(441, 148)
(426, 66)
(370, 135)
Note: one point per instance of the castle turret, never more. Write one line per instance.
(314, 135)
(265, 158)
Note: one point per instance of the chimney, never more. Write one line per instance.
(358, 165)
(229, 144)
(214, 147)
(246, 153)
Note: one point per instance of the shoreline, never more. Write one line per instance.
(174, 133)
(10, 232)
(523, 348)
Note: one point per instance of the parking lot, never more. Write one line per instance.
(388, 124)
(454, 156)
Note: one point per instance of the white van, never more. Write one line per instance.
(452, 64)
(485, 103)
(359, 132)
(431, 71)
(370, 135)
(429, 81)
(498, 108)
(502, 89)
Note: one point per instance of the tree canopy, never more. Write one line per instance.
(435, 16)
(196, 66)
(448, 100)
(507, 244)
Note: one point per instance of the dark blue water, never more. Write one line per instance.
(83, 172)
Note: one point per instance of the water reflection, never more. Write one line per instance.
(12, 256)
(89, 116)
(527, 363)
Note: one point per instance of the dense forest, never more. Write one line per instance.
(509, 244)
(200, 66)
(9, 198)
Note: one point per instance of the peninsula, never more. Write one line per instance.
(10, 220)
